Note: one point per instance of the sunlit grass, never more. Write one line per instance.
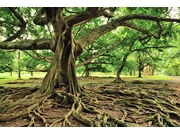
(148, 77)
(156, 77)
(5, 77)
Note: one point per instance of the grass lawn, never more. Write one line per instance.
(147, 77)
(5, 77)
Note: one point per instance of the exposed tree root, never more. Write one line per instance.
(135, 105)
(118, 80)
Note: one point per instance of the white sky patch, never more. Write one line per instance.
(174, 13)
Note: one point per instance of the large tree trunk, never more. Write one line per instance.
(61, 74)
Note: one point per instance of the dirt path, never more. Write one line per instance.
(175, 79)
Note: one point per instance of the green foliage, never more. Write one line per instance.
(10, 24)
(130, 65)
(111, 59)
(6, 63)
(160, 11)
(31, 63)
(171, 63)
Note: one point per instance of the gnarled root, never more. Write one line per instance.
(115, 105)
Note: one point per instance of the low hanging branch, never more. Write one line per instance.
(34, 69)
(37, 44)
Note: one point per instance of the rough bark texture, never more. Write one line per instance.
(37, 44)
(62, 71)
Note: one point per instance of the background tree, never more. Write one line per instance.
(6, 63)
(36, 61)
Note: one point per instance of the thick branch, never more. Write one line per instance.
(38, 44)
(149, 33)
(87, 15)
(95, 33)
(39, 20)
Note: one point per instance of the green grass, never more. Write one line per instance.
(5, 77)
(157, 77)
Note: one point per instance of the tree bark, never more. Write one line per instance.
(118, 78)
(86, 70)
(62, 71)
(139, 71)
(61, 74)
(19, 67)
(139, 74)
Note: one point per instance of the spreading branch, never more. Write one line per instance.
(38, 44)
(95, 33)
(90, 36)
(89, 14)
